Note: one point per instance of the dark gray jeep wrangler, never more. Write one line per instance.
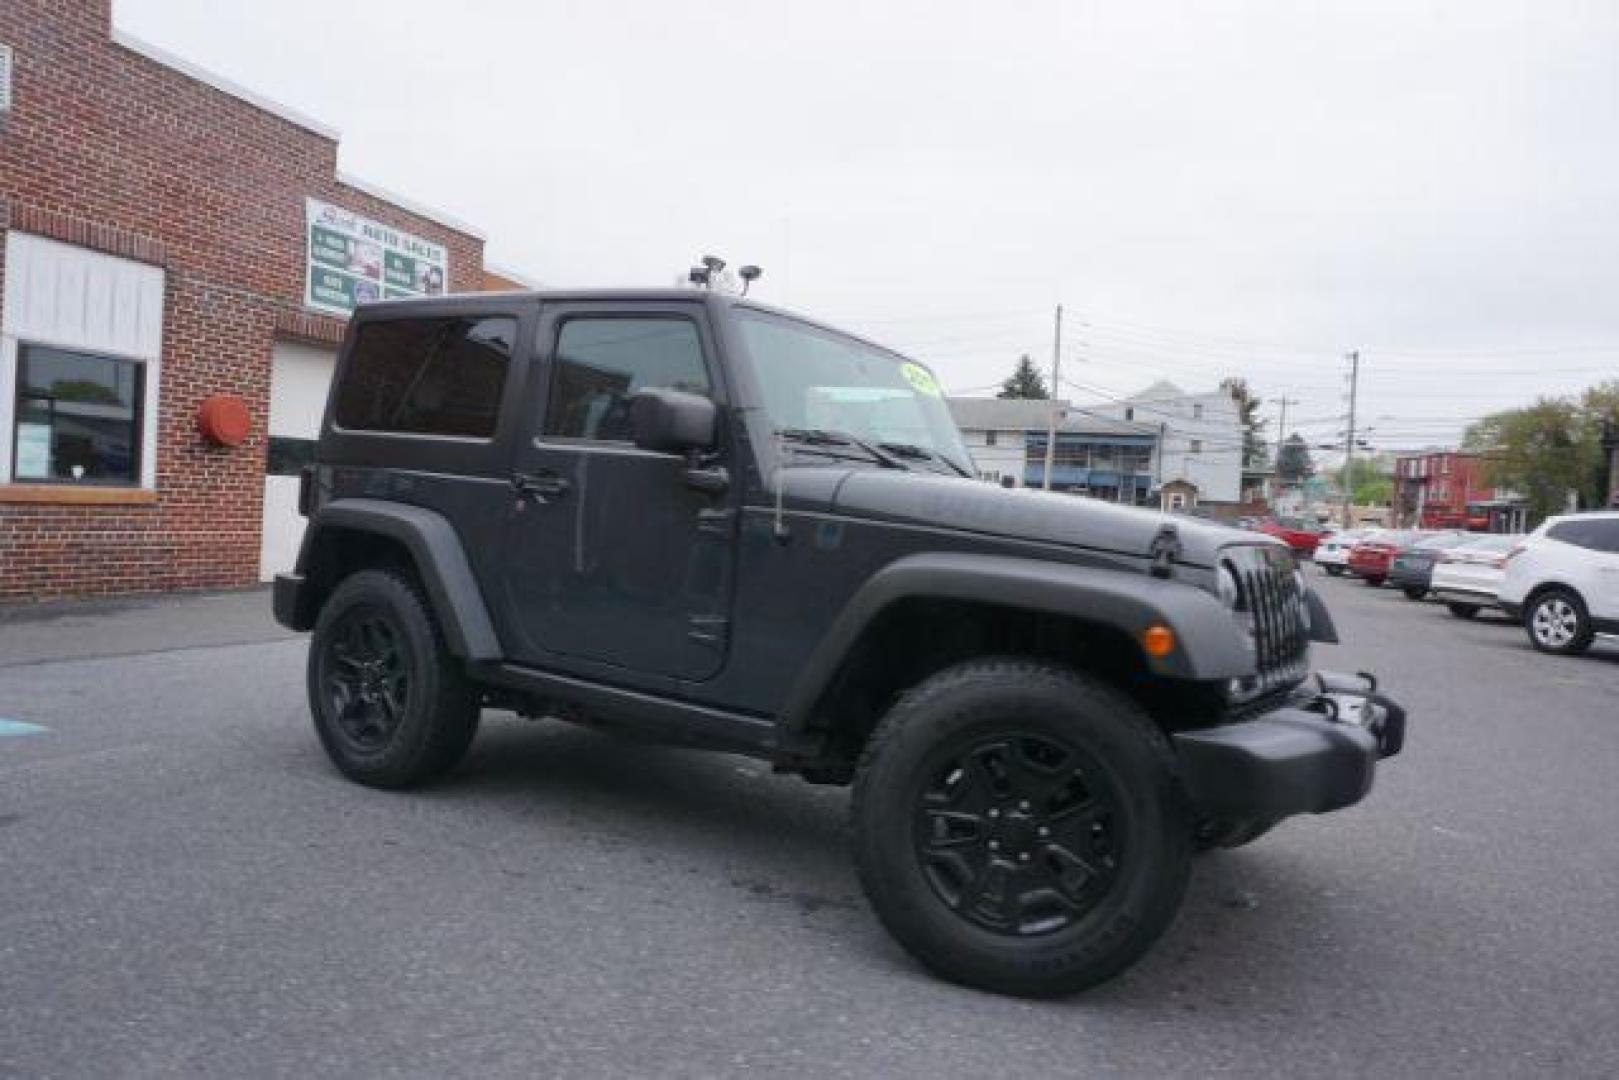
(697, 519)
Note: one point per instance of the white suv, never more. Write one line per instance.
(1563, 582)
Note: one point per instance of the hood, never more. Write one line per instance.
(1029, 514)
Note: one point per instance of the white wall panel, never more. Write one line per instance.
(74, 298)
(300, 377)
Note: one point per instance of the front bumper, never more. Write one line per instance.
(1315, 753)
(1456, 594)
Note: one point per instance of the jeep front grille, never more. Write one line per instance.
(1270, 597)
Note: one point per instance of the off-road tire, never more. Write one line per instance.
(1414, 592)
(1565, 607)
(438, 715)
(1126, 757)
(1463, 611)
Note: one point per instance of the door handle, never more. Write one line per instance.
(542, 486)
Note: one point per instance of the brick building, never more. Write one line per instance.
(170, 240)
(1446, 489)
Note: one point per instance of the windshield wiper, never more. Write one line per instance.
(818, 438)
(922, 453)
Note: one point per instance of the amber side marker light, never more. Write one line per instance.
(1158, 640)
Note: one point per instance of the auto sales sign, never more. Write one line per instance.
(353, 260)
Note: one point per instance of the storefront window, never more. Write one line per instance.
(78, 418)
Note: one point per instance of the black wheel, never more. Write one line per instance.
(1374, 582)
(1558, 623)
(1463, 611)
(1019, 827)
(1414, 592)
(391, 706)
(1334, 571)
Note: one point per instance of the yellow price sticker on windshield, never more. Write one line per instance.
(921, 379)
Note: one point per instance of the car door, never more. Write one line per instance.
(1604, 534)
(614, 563)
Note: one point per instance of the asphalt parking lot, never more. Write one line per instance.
(187, 887)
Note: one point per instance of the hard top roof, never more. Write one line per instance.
(473, 301)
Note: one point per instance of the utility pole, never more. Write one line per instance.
(1349, 443)
(1281, 441)
(1163, 433)
(1610, 443)
(1281, 426)
(1056, 388)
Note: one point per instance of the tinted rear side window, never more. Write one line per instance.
(427, 376)
(1595, 535)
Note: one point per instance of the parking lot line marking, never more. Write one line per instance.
(19, 727)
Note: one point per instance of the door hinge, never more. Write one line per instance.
(709, 630)
(716, 522)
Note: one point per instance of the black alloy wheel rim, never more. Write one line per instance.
(366, 682)
(1020, 834)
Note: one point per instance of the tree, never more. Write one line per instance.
(1548, 450)
(1253, 426)
(1601, 405)
(84, 390)
(1370, 481)
(1025, 382)
(1293, 464)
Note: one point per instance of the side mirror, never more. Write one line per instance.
(672, 421)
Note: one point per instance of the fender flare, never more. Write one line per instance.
(1208, 644)
(441, 564)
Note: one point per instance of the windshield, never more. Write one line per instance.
(815, 380)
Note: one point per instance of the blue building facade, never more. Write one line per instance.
(1117, 467)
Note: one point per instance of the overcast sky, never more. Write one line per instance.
(1209, 189)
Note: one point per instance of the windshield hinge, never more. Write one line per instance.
(716, 522)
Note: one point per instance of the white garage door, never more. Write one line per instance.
(300, 375)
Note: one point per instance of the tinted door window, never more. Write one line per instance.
(427, 376)
(599, 363)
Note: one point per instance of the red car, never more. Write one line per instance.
(1299, 535)
(1369, 560)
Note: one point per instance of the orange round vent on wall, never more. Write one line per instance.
(224, 419)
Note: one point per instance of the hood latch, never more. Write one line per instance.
(1164, 550)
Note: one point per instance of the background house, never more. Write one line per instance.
(996, 431)
(1199, 438)
(1095, 455)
